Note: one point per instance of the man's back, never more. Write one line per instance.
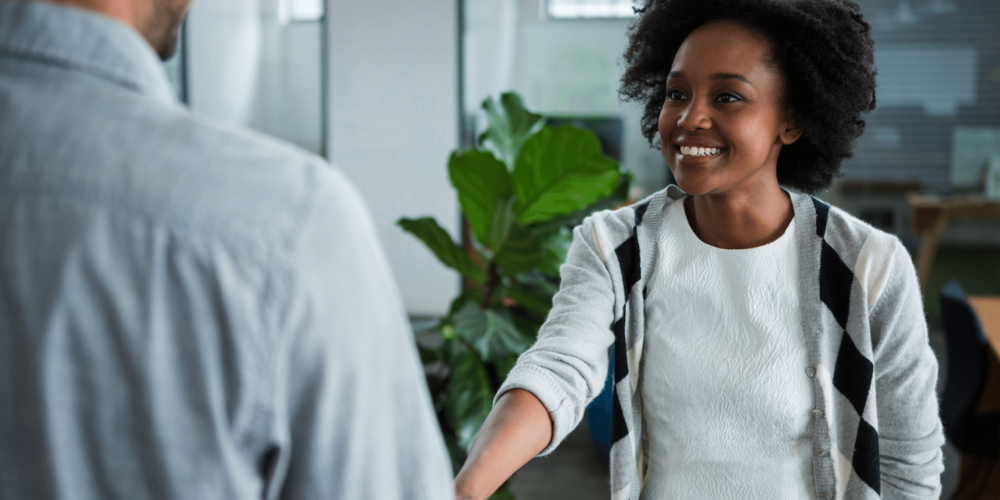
(186, 310)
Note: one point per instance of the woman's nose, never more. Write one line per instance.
(695, 116)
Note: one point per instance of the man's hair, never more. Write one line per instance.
(823, 48)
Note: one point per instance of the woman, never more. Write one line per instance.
(766, 345)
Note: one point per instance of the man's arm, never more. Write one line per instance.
(360, 422)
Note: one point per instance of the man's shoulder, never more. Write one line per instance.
(214, 175)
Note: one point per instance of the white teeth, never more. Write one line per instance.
(693, 151)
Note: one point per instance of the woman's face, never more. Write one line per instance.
(723, 122)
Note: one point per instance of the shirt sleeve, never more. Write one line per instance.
(353, 405)
(567, 366)
(910, 431)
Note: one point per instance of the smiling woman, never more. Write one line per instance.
(823, 53)
(766, 344)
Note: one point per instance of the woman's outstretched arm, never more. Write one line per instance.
(517, 429)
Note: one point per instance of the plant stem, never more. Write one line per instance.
(492, 279)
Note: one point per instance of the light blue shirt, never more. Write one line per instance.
(187, 310)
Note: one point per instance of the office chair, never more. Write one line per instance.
(967, 369)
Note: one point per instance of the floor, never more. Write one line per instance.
(576, 472)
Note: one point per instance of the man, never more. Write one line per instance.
(187, 310)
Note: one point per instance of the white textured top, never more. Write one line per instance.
(726, 394)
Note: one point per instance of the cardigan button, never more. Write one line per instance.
(811, 372)
(822, 452)
(818, 413)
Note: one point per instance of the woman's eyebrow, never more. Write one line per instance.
(716, 76)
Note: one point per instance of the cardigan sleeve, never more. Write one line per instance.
(906, 374)
(567, 366)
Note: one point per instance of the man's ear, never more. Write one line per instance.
(792, 132)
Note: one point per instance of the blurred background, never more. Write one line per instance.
(387, 89)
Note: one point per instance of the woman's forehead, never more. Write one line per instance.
(722, 47)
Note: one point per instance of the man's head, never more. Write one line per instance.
(156, 20)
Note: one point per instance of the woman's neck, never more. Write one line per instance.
(743, 218)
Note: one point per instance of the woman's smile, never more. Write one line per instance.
(697, 151)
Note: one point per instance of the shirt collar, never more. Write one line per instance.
(84, 41)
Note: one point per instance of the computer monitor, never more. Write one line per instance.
(971, 147)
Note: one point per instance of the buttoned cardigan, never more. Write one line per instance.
(876, 430)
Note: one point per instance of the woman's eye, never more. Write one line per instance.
(727, 97)
(674, 95)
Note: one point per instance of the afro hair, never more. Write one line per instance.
(823, 48)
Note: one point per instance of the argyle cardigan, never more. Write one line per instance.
(876, 431)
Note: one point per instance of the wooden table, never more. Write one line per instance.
(988, 310)
(931, 214)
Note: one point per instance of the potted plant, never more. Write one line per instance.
(521, 190)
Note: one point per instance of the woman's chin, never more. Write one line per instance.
(692, 186)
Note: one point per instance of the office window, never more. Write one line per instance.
(582, 9)
(176, 69)
(303, 10)
(938, 115)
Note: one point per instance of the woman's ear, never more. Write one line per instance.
(792, 132)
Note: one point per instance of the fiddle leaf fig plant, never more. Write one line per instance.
(521, 190)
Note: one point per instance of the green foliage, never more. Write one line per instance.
(438, 240)
(521, 191)
(560, 171)
(481, 181)
(510, 126)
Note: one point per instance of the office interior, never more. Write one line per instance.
(387, 90)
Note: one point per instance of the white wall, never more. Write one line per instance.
(393, 122)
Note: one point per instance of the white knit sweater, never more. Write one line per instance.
(727, 394)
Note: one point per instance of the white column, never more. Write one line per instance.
(393, 120)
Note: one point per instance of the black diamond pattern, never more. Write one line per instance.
(621, 362)
(619, 429)
(866, 458)
(628, 262)
(640, 211)
(852, 372)
(835, 280)
(822, 214)
(852, 375)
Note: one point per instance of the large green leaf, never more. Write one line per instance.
(560, 171)
(521, 252)
(510, 126)
(616, 198)
(555, 246)
(490, 332)
(502, 224)
(440, 242)
(515, 249)
(480, 180)
(470, 397)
